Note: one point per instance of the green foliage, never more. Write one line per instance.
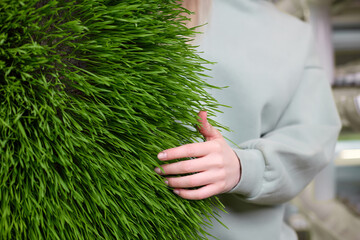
(90, 92)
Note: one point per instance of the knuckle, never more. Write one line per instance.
(216, 146)
(222, 186)
(186, 167)
(191, 182)
(190, 151)
(219, 162)
(222, 174)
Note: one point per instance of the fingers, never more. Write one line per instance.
(208, 184)
(188, 150)
(198, 194)
(183, 167)
(190, 181)
(194, 149)
(208, 131)
(213, 170)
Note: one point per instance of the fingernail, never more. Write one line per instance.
(157, 170)
(176, 191)
(162, 155)
(166, 182)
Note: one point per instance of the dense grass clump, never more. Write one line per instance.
(90, 92)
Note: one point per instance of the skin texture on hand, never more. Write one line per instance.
(215, 168)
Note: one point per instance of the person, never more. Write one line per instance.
(282, 116)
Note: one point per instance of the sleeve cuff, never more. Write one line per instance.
(252, 172)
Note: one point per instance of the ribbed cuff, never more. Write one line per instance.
(252, 171)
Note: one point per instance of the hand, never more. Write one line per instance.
(216, 168)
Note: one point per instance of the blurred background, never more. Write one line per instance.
(330, 207)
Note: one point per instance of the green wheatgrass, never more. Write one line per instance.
(90, 92)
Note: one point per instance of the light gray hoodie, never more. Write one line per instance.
(283, 116)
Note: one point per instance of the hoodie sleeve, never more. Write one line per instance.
(277, 166)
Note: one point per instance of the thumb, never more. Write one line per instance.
(208, 131)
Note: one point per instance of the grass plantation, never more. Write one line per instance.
(90, 92)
